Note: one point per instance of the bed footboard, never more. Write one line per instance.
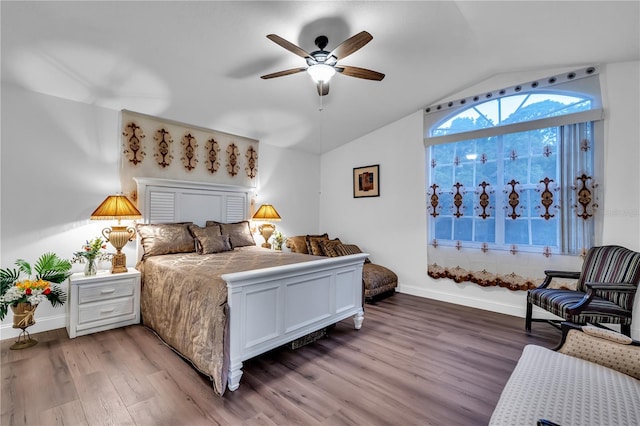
(273, 306)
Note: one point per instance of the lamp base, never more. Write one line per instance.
(266, 230)
(119, 263)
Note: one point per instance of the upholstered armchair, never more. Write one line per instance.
(604, 294)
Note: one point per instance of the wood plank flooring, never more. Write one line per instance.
(414, 362)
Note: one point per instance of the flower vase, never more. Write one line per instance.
(23, 317)
(91, 267)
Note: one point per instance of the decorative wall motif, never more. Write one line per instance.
(163, 154)
(252, 162)
(195, 156)
(546, 189)
(457, 200)
(433, 193)
(484, 201)
(232, 159)
(584, 145)
(133, 147)
(584, 188)
(514, 199)
(213, 149)
(189, 158)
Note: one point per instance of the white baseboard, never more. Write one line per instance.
(42, 324)
(488, 305)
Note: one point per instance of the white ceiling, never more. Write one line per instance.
(199, 62)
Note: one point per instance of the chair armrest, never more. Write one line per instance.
(622, 288)
(550, 274)
(592, 288)
(562, 274)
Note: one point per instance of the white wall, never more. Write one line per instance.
(392, 227)
(61, 158)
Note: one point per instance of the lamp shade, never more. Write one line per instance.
(116, 207)
(266, 212)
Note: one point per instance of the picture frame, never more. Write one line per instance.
(366, 181)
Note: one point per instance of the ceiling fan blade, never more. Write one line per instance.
(352, 44)
(323, 88)
(288, 45)
(360, 73)
(283, 73)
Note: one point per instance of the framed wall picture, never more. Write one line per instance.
(366, 181)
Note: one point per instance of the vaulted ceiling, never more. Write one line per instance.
(199, 62)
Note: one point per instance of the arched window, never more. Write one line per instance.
(515, 169)
(510, 110)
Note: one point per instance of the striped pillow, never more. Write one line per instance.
(347, 249)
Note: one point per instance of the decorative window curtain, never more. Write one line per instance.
(580, 188)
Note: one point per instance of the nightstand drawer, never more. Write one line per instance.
(102, 302)
(122, 309)
(107, 290)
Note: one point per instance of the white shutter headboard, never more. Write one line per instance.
(166, 201)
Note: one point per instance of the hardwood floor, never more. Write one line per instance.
(414, 362)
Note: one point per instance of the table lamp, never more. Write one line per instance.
(266, 213)
(117, 207)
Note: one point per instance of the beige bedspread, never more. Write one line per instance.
(184, 301)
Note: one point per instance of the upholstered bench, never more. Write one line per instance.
(591, 379)
(378, 281)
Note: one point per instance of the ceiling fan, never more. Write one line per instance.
(322, 65)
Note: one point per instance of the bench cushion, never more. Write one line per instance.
(566, 390)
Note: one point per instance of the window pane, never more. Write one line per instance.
(516, 169)
(443, 228)
(544, 232)
(516, 231)
(486, 230)
(443, 177)
(443, 154)
(462, 229)
(487, 172)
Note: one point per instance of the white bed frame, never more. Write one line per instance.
(267, 307)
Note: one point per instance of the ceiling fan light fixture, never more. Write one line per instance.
(321, 72)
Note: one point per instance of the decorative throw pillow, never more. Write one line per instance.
(297, 244)
(312, 238)
(347, 249)
(216, 244)
(165, 238)
(209, 239)
(329, 247)
(239, 233)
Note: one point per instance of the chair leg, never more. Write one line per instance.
(626, 329)
(527, 323)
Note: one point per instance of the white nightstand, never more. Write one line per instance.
(102, 302)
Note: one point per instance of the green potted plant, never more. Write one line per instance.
(24, 294)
